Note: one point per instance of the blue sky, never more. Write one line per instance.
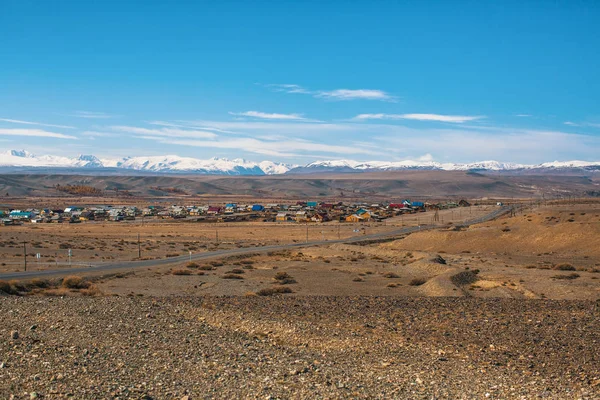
(450, 81)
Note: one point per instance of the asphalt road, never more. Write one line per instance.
(232, 252)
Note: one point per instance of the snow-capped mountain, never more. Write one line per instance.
(166, 164)
(21, 159)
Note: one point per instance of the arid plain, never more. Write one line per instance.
(506, 308)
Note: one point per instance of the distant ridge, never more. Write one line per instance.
(21, 159)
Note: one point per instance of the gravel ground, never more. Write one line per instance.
(298, 347)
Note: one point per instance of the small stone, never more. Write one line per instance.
(14, 335)
(33, 395)
(2, 365)
(33, 327)
(185, 398)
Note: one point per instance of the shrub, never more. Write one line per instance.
(7, 288)
(564, 267)
(464, 277)
(392, 285)
(192, 265)
(170, 255)
(181, 272)
(284, 278)
(438, 260)
(236, 271)
(232, 276)
(75, 282)
(207, 268)
(417, 281)
(91, 291)
(358, 279)
(391, 275)
(569, 276)
(274, 290)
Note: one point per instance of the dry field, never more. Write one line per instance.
(97, 242)
(549, 252)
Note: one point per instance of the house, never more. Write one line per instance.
(213, 210)
(355, 218)
(301, 216)
(418, 204)
(464, 203)
(20, 215)
(258, 207)
(311, 204)
(281, 217)
(320, 217)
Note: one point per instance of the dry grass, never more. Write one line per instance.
(564, 267)
(274, 290)
(391, 275)
(568, 276)
(465, 277)
(232, 276)
(181, 272)
(417, 281)
(284, 278)
(75, 282)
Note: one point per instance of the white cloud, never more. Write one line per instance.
(523, 115)
(167, 132)
(270, 116)
(34, 133)
(419, 117)
(425, 157)
(93, 134)
(336, 94)
(582, 124)
(91, 115)
(17, 121)
(350, 94)
(571, 123)
(280, 148)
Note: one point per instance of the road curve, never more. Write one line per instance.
(110, 267)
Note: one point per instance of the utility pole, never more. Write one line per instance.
(25, 255)
(216, 232)
(139, 248)
(307, 232)
(339, 230)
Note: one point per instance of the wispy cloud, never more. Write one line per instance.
(91, 115)
(419, 117)
(34, 133)
(581, 124)
(336, 94)
(164, 132)
(270, 116)
(287, 148)
(93, 134)
(523, 115)
(350, 94)
(17, 121)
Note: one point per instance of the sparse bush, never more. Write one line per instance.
(91, 291)
(192, 265)
(206, 268)
(438, 260)
(568, 276)
(392, 285)
(284, 278)
(7, 288)
(170, 255)
(236, 271)
(358, 279)
(564, 267)
(75, 282)
(391, 275)
(274, 290)
(465, 277)
(181, 272)
(232, 276)
(417, 282)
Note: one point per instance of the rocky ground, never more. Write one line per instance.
(298, 347)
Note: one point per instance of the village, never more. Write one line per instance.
(300, 212)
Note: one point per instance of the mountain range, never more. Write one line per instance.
(19, 160)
